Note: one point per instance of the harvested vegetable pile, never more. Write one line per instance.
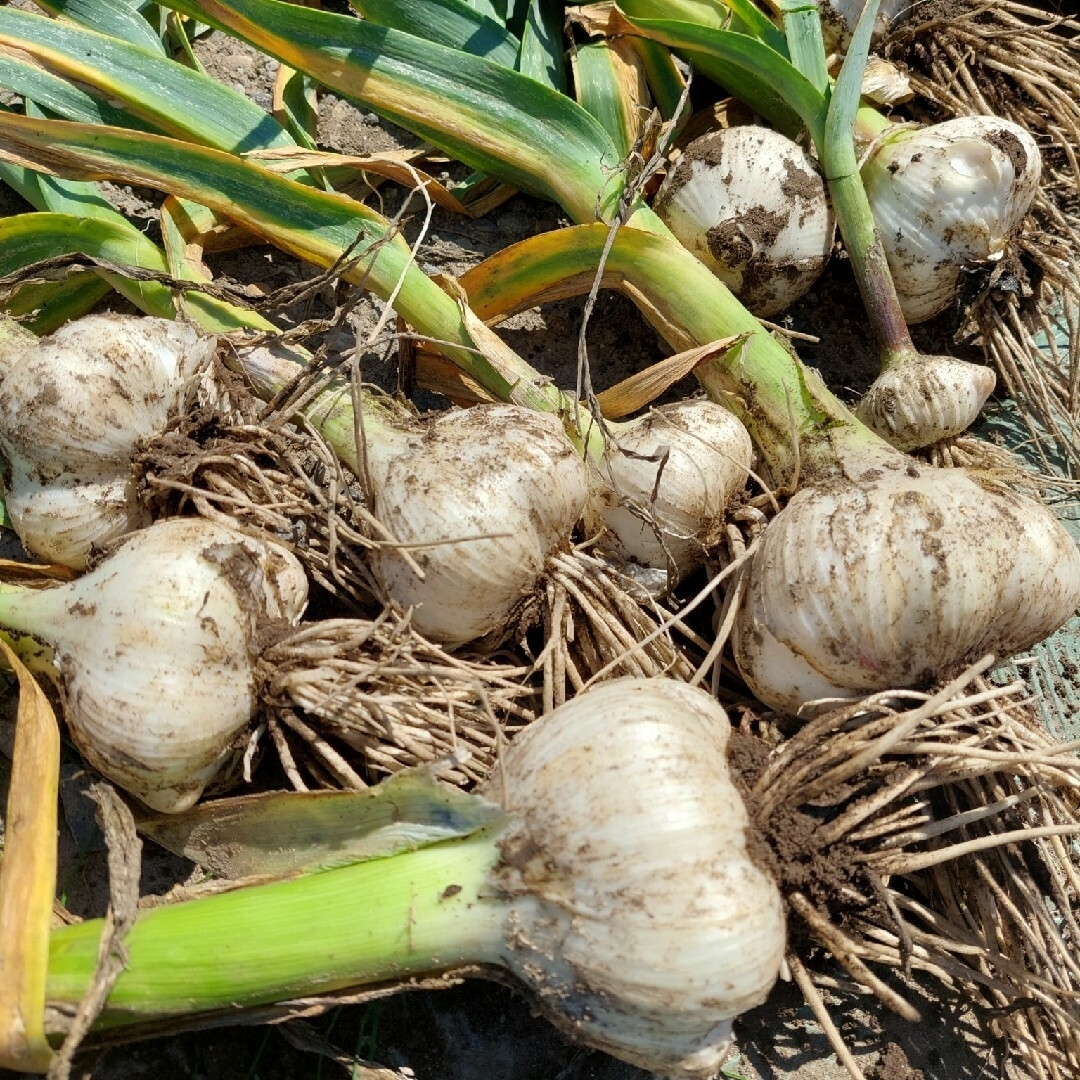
(637, 689)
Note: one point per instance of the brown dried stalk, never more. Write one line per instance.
(1020, 62)
(937, 834)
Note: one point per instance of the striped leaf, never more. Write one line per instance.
(494, 120)
(165, 96)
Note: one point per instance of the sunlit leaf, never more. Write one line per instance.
(541, 53)
(492, 119)
(452, 23)
(118, 18)
(29, 238)
(172, 98)
(746, 67)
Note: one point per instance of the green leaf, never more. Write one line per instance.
(280, 833)
(494, 120)
(666, 81)
(602, 90)
(806, 46)
(746, 67)
(30, 238)
(452, 23)
(168, 96)
(741, 16)
(121, 19)
(317, 226)
(19, 75)
(43, 308)
(541, 54)
(839, 148)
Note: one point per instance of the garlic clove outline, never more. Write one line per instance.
(661, 490)
(899, 581)
(751, 205)
(481, 498)
(652, 973)
(946, 198)
(156, 648)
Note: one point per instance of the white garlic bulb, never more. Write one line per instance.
(638, 915)
(481, 498)
(73, 408)
(899, 581)
(921, 399)
(662, 487)
(945, 198)
(156, 649)
(838, 19)
(751, 204)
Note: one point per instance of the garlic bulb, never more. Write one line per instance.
(661, 489)
(73, 408)
(945, 198)
(156, 649)
(751, 204)
(898, 581)
(481, 498)
(838, 19)
(920, 399)
(638, 916)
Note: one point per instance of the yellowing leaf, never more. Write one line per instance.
(28, 877)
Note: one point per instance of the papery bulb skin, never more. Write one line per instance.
(751, 205)
(487, 494)
(156, 649)
(73, 408)
(663, 486)
(920, 400)
(899, 580)
(947, 198)
(639, 918)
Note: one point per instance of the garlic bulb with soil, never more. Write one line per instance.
(73, 408)
(478, 499)
(156, 648)
(661, 489)
(920, 399)
(946, 198)
(899, 577)
(617, 882)
(639, 917)
(751, 204)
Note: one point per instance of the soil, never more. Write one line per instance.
(480, 1030)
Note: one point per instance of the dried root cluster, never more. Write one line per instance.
(936, 835)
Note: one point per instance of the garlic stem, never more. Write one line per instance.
(390, 918)
(619, 889)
